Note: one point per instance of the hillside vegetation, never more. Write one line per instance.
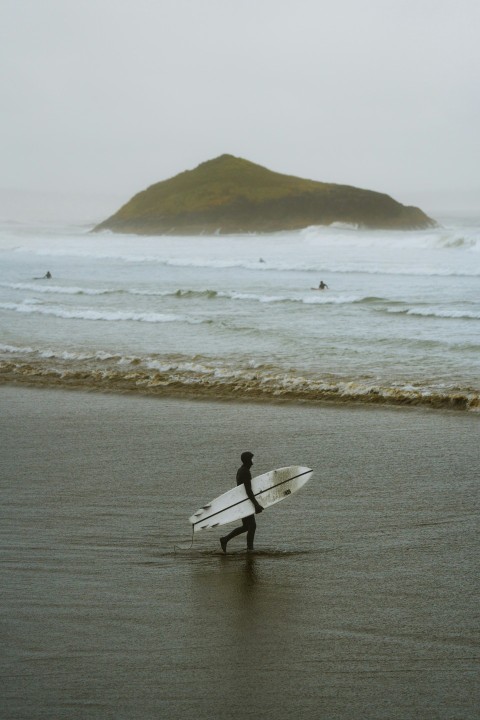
(232, 195)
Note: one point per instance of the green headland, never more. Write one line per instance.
(231, 195)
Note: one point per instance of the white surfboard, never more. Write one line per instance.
(268, 488)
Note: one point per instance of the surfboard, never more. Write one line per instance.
(269, 489)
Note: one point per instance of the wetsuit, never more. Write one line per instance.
(248, 525)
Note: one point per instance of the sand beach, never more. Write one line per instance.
(360, 601)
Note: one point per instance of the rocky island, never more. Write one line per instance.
(232, 195)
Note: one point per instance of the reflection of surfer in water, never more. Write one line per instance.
(248, 525)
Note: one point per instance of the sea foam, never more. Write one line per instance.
(95, 315)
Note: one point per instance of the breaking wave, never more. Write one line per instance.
(378, 304)
(202, 378)
(97, 315)
(310, 266)
(311, 298)
(437, 312)
(467, 238)
(55, 289)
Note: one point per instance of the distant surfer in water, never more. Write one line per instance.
(322, 286)
(244, 476)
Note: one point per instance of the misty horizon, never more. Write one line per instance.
(376, 95)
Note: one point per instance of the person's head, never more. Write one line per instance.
(246, 458)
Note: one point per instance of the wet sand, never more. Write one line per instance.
(361, 600)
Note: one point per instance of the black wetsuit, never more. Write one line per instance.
(244, 476)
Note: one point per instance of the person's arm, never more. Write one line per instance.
(248, 487)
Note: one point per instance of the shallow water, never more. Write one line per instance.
(361, 600)
(240, 315)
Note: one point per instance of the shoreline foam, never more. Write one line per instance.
(196, 380)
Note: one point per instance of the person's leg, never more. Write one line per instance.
(251, 526)
(234, 533)
(237, 531)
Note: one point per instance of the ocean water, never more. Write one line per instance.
(240, 316)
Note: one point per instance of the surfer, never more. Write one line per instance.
(322, 285)
(244, 476)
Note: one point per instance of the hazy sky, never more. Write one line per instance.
(110, 96)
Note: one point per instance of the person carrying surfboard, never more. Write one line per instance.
(244, 476)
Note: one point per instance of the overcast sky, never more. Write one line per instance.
(110, 96)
